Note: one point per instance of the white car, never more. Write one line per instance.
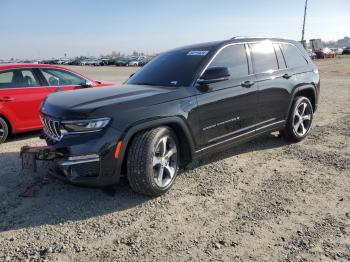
(338, 51)
(133, 63)
(136, 61)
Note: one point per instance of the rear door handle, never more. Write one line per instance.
(247, 84)
(287, 76)
(6, 99)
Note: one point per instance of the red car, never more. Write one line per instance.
(325, 53)
(24, 86)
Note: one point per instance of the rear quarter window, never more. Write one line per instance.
(280, 58)
(6, 78)
(293, 56)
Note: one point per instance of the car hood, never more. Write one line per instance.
(104, 101)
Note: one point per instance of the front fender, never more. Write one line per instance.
(152, 123)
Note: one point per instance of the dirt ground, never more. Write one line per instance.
(265, 200)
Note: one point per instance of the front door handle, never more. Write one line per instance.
(6, 99)
(287, 76)
(247, 84)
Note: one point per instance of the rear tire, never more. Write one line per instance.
(4, 130)
(153, 161)
(299, 120)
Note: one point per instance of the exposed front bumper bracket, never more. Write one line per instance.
(30, 155)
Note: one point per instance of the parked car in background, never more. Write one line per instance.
(24, 86)
(121, 61)
(137, 61)
(77, 61)
(346, 51)
(85, 62)
(133, 63)
(188, 102)
(311, 54)
(107, 61)
(91, 62)
(337, 51)
(50, 62)
(98, 62)
(325, 53)
(143, 62)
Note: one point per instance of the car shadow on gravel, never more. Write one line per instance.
(29, 200)
(268, 141)
(51, 201)
(23, 136)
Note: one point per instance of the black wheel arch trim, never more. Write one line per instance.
(299, 89)
(137, 127)
(9, 125)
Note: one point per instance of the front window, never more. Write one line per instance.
(57, 77)
(173, 69)
(234, 57)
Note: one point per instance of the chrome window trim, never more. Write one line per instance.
(248, 48)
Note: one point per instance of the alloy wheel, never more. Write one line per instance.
(165, 161)
(302, 119)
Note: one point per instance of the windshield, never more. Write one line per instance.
(174, 68)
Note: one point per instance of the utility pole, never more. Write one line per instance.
(303, 32)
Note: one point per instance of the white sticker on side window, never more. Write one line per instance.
(198, 53)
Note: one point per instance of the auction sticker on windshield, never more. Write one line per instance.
(198, 53)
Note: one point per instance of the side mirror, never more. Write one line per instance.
(87, 84)
(213, 75)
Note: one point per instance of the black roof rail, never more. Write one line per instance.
(241, 37)
(238, 37)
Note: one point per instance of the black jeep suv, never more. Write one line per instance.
(185, 103)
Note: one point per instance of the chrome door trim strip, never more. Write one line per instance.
(240, 130)
(235, 137)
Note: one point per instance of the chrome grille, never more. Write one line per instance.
(51, 128)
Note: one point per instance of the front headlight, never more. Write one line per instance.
(84, 126)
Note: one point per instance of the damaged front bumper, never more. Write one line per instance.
(30, 155)
(85, 169)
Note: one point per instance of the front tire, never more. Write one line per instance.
(4, 130)
(153, 161)
(299, 120)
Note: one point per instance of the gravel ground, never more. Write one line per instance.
(266, 200)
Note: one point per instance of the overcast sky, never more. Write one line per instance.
(50, 28)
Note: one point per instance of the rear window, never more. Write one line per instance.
(6, 77)
(264, 57)
(174, 68)
(293, 56)
(18, 78)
